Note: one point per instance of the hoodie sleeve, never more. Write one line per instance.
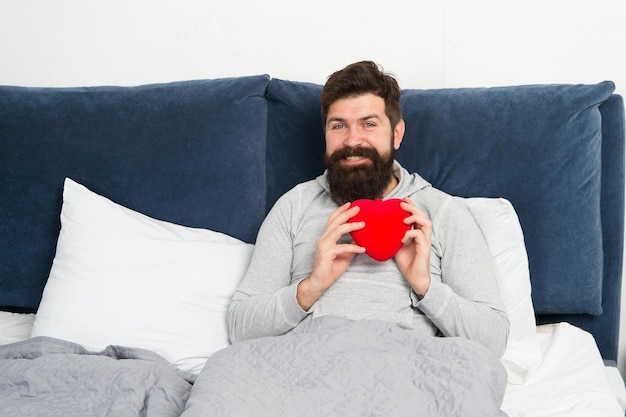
(463, 299)
(265, 302)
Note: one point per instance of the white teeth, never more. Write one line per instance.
(354, 158)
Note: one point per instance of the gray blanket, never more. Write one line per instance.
(336, 367)
(50, 377)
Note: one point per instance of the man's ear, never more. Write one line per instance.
(398, 134)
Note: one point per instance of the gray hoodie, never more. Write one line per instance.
(463, 298)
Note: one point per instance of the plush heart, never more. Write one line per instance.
(384, 227)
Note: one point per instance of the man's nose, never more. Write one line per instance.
(353, 138)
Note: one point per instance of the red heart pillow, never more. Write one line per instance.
(384, 227)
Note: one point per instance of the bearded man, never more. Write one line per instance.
(305, 264)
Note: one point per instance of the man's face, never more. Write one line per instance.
(360, 148)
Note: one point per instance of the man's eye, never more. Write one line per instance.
(370, 124)
(338, 126)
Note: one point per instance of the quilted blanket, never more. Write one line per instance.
(50, 377)
(336, 367)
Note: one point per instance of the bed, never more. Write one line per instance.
(129, 214)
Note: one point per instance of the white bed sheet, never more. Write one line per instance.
(563, 374)
(570, 379)
(15, 327)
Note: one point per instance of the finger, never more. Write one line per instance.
(419, 236)
(334, 234)
(341, 209)
(409, 235)
(328, 240)
(418, 218)
(352, 248)
(343, 214)
(332, 220)
(411, 207)
(419, 221)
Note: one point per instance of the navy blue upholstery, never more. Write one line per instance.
(191, 153)
(605, 327)
(218, 153)
(540, 148)
(295, 136)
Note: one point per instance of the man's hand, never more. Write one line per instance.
(413, 258)
(331, 258)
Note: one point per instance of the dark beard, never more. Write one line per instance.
(353, 183)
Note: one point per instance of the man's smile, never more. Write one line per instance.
(355, 160)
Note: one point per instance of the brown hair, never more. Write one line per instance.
(361, 78)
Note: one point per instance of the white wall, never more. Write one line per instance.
(427, 44)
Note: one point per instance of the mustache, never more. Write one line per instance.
(346, 152)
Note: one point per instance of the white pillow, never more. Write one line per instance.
(502, 231)
(122, 278)
(500, 226)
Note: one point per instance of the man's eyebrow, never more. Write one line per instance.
(341, 119)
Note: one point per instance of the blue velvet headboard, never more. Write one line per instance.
(555, 151)
(218, 153)
(192, 153)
